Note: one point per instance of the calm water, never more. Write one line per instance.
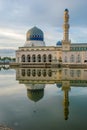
(43, 99)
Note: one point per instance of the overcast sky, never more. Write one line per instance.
(18, 16)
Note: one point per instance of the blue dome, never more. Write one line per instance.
(59, 43)
(67, 10)
(35, 34)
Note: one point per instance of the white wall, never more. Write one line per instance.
(68, 54)
(56, 54)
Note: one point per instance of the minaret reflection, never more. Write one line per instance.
(66, 89)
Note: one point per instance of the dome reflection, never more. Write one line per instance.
(35, 92)
(35, 95)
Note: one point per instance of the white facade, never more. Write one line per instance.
(77, 57)
(38, 55)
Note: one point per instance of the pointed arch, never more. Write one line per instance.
(33, 58)
(23, 58)
(44, 58)
(72, 58)
(38, 58)
(49, 58)
(28, 58)
(78, 58)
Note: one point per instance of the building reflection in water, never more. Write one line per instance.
(36, 78)
(35, 92)
(5, 67)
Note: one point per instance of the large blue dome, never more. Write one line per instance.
(35, 34)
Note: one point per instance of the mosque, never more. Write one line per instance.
(35, 53)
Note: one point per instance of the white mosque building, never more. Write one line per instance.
(35, 52)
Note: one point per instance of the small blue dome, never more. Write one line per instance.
(59, 43)
(59, 85)
(34, 34)
(67, 10)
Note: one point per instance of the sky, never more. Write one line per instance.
(18, 16)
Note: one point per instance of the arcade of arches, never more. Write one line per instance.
(38, 58)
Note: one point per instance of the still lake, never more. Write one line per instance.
(43, 99)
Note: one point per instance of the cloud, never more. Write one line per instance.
(28, 12)
(10, 34)
(10, 38)
(78, 34)
(17, 16)
(10, 91)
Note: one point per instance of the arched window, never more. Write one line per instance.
(78, 58)
(78, 73)
(28, 58)
(39, 72)
(49, 73)
(44, 72)
(28, 72)
(72, 58)
(72, 73)
(39, 58)
(65, 59)
(23, 58)
(65, 72)
(23, 72)
(49, 58)
(34, 72)
(44, 58)
(33, 58)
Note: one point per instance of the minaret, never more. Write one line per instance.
(66, 41)
(66, 90)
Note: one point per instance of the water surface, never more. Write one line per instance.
(43, 99)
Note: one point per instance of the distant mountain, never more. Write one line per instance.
(7, 52)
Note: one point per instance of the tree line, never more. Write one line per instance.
(7, 59)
